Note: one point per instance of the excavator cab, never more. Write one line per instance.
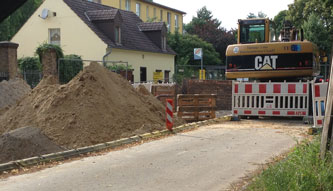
(255, 31)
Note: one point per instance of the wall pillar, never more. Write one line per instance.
(8, 60)
(49, 63)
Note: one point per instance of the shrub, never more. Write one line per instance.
(29, 64)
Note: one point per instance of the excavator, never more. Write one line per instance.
(259, 55)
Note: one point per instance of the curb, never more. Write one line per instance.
(102, 146)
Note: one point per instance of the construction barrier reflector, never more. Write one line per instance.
(169, 114)
(319, 92)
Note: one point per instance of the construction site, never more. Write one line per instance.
(89, 124)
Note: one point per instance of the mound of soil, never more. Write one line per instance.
(11, 91)
(96, 106)
(24, 143)
(143, 90)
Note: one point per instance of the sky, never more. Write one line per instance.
(228, 11)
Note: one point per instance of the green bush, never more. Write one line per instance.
(301, 170)
(41, 49)
(118, 68)
(29, 64)
(69, 67)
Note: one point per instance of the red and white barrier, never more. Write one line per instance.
(169, 114)
(319, 92)
(270, 98)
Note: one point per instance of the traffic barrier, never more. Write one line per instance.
(196, 107)
(169, 114)
(319, 92)
(270, 98)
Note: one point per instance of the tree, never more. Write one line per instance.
(184, 45)
(208, 29)
(260, 15)
(279, 20)
(300, 12)
(15, 21)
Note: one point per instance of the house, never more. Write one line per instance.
(149, 10)
(96, 31)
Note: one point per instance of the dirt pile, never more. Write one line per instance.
(95, 107)
(24, 143)
(11, 91)
(143, 90)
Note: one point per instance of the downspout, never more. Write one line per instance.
(106, 55)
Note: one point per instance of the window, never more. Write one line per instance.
(119, 4)
(147, 13)
(117, 35)
(154, 12)
(169, 20)
(161, 15)
(138, 9)
(252, 33)
(176, 23)
(54, 36)
(163, 42)
(128, 5)
(166, 76)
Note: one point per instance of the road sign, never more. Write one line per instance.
(197, 53)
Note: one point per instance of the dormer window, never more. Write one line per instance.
(163, 43)
(117, 35)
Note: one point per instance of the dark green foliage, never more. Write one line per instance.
(15, 21)
(29, 64)
(69, 67)
(118, 67)
(41, 49)
(279, 20)
(184, 46)
(209, 29)
(302, 170)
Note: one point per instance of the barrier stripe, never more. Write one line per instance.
(236, 88)
(317, 91)
(261, 112)
(305, 88)
(169, 114)
(291, 88)
(248, 88)
(277, 88)
(262, 88)
(276, 112)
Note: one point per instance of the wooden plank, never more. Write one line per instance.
(196, 108)
(327, 121)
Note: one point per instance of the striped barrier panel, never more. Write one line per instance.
(319, 92)
(270, 98)
(169, 114)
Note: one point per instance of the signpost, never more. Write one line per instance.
(198, 55)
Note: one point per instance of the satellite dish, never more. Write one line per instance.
(45, 13)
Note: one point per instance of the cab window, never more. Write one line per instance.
(254, 33)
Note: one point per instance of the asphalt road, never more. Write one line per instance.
(209, 158)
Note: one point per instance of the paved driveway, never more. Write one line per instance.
(209, 158)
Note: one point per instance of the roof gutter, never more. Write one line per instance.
(106, 55)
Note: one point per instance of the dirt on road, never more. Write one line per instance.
(95, 107)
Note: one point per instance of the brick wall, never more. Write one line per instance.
(8, 60)
(223, 90)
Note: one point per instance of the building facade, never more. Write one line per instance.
(150, 11)
(93, 31)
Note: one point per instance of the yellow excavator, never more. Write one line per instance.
(260, 55)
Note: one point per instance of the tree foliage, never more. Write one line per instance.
(184, 45)
(15, 21)
(316, 17)
(259, 15)
(209, 29)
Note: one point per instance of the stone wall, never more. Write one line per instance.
(223, 90)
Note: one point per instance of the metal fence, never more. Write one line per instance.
(4, 76)
(69, 68)
(32, 77)
(212, 72)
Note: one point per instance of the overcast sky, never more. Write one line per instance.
(228, 11)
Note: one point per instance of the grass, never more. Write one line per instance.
(302, 170)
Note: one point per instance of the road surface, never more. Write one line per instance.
(210, 158)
